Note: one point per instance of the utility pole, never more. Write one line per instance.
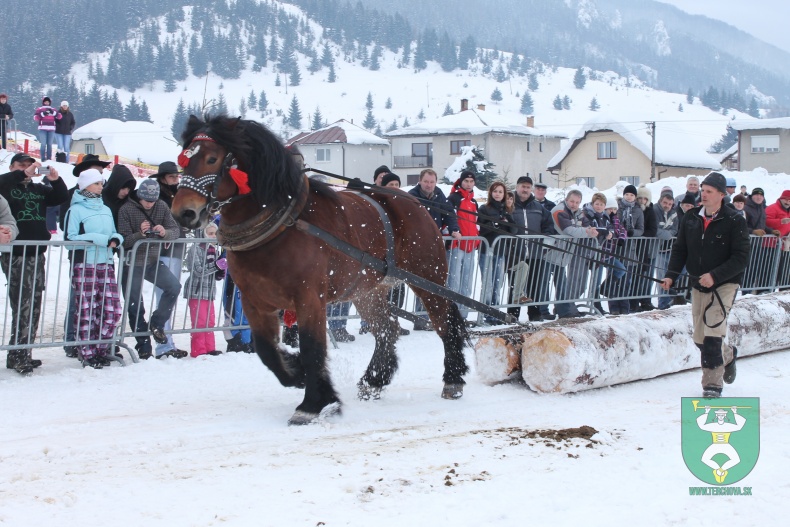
(652, 133)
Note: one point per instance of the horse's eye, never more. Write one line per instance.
(212, 160)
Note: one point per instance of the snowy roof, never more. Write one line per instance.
(674, 146)
(340, 131)
(729, 152)
(760, 124)
(140, 140)
(472, 122)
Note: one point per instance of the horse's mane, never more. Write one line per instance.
(274, 176)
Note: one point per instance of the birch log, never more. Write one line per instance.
(582, 354)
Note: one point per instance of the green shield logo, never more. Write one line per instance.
(720, 437)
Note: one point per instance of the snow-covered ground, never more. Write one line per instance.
(205, 442)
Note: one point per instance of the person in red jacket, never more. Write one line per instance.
(461, 254)
(777, 221)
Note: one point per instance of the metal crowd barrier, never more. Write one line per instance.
(513, 272)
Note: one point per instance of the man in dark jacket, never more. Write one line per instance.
(24, 266)
(540, 196)
(755, 212)
(645, 251)
(434, 200)
(6, 114)
(116, 191)
(535, 220)
(713, 244)
(63, 129)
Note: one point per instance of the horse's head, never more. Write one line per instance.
(226, 159)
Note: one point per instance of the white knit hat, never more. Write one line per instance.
(611, 202)
(89, 177)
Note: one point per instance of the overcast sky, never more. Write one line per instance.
(765, 19)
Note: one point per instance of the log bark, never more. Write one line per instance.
(583, 354)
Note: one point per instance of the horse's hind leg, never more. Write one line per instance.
(451, 328)
(285, 366)
(384, 363)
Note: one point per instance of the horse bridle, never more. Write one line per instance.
(199, 185)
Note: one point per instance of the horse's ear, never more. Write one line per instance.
(235, 123)
(193, 120)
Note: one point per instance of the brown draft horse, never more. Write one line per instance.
(240, 167)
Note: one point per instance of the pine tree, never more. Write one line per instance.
(406, 123)
(500, 75)
(533, 81)
(566, 103)
(393, 126)
(690, 97)
(331, 77)
(388, 104)
(467, 52)
(179, 120)
(421, 115)
(527, 106)
(277, 81)
(729, 138)
(594, 106)
(294, 114)
(369, 101)
(484, 177)
(754, 109)
(496, 95)
(557, 102)
(252, 100)
(579, 79)
(375, 58)
(221, 107)
(262, 102)
(295, 76)
(318, 119)
(370, 121)
(326, 56)
(243, 108)
(680, 107)
(447, 110)
(145, 115)
(132, 110)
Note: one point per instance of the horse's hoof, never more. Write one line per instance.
(453, 391)
(368, 392)
(301, 417)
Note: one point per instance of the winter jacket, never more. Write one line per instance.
(88, 219)
(132, 215)
(631, 217)
(533, 219)
(774, 214)
(5, 109)
(439, 208)
(491, 218)
(721, 249)
(573, 225)
(120, 177)
(46, 116)
(755, 215)
(620, 235)
(547, 204)
(667, 227)
(465, 206)
(65, 125)
(600, 221)
(7, 218)
(201, 260)
(29, 204)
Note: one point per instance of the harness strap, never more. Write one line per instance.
(714, 298)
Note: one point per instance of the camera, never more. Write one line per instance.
(151, 233)
(43, 171)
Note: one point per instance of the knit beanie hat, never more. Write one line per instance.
(379, 170)
(388, 178)
(629, 189)
(88, 178)
(148, 190)
(717, 181)
(611, 202)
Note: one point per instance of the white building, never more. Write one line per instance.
(343, 148)
(138, 141)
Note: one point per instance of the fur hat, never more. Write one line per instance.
(644, 192)
(89, 177)
(389, 177)
(717, 181)
(148, 190)
(611, 202)
(629, 189)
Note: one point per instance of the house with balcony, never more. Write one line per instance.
(515, 149)
(763, 143)
(343, 148)
(605, 151)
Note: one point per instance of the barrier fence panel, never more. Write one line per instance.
(48, 288)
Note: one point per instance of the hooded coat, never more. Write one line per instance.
(90, 220)
(120, 177)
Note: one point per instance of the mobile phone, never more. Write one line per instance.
(42, 171)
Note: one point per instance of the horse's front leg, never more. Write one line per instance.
(319, 394)
(285, 366)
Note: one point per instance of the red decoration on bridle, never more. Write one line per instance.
(241, 179)
(186, 155)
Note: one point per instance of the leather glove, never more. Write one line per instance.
(758, 232)
(630, 233)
